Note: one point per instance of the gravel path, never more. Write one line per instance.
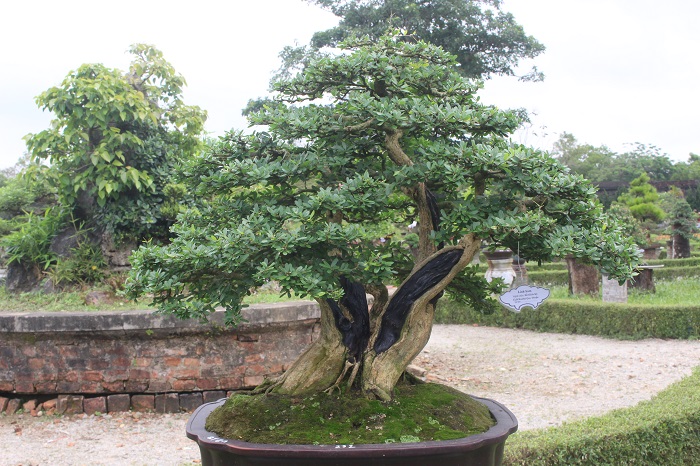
(545, 379)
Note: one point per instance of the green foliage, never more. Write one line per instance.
(484, 39)
(21, 195)
(350, 141)
(84, 265)
(631, 226)
(663, 430)
(682, 219)
(31, 244)
(643, 200)
(600, 164)
(115, 141)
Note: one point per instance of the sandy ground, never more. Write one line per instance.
(545, 379)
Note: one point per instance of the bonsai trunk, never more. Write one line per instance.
(680, 247)
(371, 348)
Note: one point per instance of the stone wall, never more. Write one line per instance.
(104, 353)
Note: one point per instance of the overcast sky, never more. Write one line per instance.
(617, 71)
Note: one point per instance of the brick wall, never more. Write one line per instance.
(140, 352)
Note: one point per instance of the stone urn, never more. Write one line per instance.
(484, 449)
(500, 266)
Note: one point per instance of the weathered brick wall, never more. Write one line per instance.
(139, 352)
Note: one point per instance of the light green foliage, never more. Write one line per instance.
(115, 140)
(30, 244)
(22, 195)
(300, 204)
(643, 200)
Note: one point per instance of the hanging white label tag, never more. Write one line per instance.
(522, 296)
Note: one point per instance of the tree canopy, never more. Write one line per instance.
(356, 146)
(600, 164)
(485, 40)
(115, 139)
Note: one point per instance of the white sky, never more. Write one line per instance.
(618, 71)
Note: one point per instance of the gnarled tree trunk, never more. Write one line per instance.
(397, 329)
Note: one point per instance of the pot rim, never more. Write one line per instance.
(506, 424)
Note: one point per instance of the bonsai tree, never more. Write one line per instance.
(682, 225)
(387, 132)
(631, 226)
(643, 202)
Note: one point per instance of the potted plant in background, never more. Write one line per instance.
(643, 202)
(386, 132)
(681, 223)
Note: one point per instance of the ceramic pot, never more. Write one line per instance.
(477, 450)
(500, 266)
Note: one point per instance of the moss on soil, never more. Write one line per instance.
(419, 412)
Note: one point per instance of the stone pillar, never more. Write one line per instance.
(613, 292)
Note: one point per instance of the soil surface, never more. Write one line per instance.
(545, 379)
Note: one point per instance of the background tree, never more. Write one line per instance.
(115, 141)
(689, 170)
(387, 132)
(593, 163)
(485, 40)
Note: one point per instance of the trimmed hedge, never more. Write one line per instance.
(621, 321)
(561, 277)
(662, 431)
(689, 262)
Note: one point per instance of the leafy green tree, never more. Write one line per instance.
(386, 132)
(600, 164)
(485, 40)
(647, 159)
(115, 141)
(689, 170)
(596, 164)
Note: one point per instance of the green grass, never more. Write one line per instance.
(74, 301)
(668, 293)
(58, 302)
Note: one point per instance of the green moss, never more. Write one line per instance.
(419, 412)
